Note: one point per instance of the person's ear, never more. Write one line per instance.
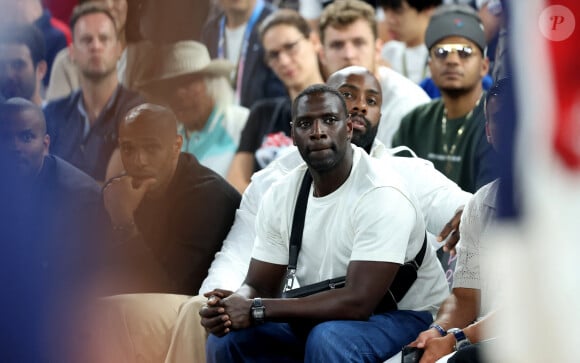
(72, 52)
(429, 11)
(177, 145)
(322, 55)
(349, 127)
(118, 49)
(46, 143)
(41, 69)
(378, 48)
(315, 40)
(484, 66)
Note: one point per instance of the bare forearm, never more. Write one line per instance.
(328, 305)
(476, 331)
(459, 309)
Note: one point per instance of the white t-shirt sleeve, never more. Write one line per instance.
(438, 196)
(270, 244)
(388, 208)
(392, 52)
(230, 264)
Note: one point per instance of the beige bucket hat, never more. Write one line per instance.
(182, 58)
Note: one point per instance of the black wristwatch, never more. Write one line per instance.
(258, 311)
(461, 340)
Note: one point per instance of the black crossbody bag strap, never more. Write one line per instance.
(297, 228)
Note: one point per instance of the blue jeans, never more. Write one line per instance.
(374, 340)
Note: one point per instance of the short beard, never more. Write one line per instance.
(367, 139)
(96, 76)
(456, 92)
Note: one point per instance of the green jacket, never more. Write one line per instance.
(461, 152)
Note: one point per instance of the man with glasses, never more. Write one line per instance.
(450, 131)
(290, 51)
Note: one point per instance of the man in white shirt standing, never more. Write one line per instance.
(348, 32)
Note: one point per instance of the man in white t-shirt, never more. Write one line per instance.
(177, 324)
(360, 222)
(407, 21)
(349, 37)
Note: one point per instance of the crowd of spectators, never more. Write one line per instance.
(155, 156)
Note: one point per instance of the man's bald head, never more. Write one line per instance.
(362, 93)
(149, 144)
(155, 116)
(340, 76)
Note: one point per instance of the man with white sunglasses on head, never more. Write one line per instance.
(450, 131)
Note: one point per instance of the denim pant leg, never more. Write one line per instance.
(269, 342)
(375, 340)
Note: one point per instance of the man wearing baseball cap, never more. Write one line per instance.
(450, 131)
(197, 89)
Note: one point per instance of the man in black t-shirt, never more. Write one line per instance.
(169, 213)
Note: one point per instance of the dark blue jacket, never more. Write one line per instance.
(50, 243)
(66, 124)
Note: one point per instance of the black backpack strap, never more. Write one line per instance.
(418, 260)
(407, 274)
(297, 228)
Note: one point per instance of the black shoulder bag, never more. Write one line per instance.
(404, 279)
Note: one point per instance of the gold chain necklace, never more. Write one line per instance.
(449, 152)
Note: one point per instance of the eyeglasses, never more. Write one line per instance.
(290, 49)
(441, 51)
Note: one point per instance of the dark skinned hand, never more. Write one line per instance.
(213, 315)
(238, 309)
(451, 233)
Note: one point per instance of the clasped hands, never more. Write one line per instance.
(225, 311)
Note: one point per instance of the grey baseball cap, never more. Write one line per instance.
(455, 20)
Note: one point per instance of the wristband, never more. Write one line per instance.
(439, 329)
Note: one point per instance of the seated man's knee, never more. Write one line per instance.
(192, 306)
(328, 331)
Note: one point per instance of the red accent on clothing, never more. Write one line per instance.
(63, 28)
